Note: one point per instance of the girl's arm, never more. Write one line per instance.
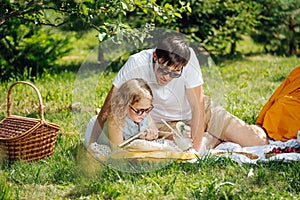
(115, 134)
(152, 132)
(102, 116)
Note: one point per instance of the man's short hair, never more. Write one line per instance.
(173, 51)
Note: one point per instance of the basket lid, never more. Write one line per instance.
(14, 127)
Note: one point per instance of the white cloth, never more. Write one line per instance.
(141, 145)
(88, 131)
(170, 101)
(260, 151)
(102, 152)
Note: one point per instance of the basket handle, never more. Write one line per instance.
(37, 92)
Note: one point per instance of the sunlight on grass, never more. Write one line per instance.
(250, 83)
(248, 47)
(245, 84)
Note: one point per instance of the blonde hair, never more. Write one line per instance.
(130, 92)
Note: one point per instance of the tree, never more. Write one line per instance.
(105, 16)
(219, 23)
(279, 29)
(26, 48)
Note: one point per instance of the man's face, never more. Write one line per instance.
(164, 74)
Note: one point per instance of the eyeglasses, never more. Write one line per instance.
(141, 111)
(165, 71)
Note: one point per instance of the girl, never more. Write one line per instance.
(130, 108)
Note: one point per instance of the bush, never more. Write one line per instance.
(28, 50)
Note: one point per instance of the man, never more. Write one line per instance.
(173, 72)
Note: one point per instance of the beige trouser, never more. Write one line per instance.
(216, 119)
(222, 125)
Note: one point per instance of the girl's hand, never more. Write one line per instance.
(149, 134)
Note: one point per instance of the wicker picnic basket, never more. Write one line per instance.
(27, 138)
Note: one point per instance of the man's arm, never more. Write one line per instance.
(196, 100)
(102, 116)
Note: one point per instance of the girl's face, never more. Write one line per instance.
(139, 110)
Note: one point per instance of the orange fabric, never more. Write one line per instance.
(280, 117)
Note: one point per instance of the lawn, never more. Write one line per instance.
(243, 85)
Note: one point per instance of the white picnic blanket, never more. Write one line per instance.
(259, 151)
(228, 149)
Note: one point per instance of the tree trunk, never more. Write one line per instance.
(100, 54)
(233, 47)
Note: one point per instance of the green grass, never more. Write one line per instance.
(71, 173)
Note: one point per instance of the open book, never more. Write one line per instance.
(130, 139)
(161, 134)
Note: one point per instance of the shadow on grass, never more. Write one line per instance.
(95, 177)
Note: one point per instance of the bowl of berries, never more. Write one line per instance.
(282, 150)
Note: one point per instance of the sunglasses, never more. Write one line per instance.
(141, 111)
(165, 71)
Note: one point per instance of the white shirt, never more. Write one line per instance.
(170, 101)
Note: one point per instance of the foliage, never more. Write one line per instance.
(106, 16)
(218, 24)
(27, 50)
(279, 29)
(5, 192)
